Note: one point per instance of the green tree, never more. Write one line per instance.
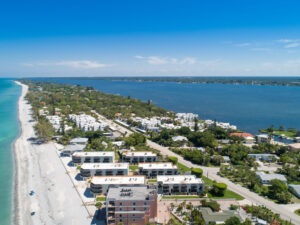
(238, 153)
(99, 205)
(197, 172)
(279, 190)
(97, 145)
(44, 130)
(233, 221)
(219, 189)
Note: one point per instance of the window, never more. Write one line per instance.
(145, 209)
(120, 220)
(133, 214)
(134, 203)
(120, 203)
(120, 209)
(133, 209)
(145, 203)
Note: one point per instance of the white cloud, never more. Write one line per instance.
(188, 60)
(157, 60)
(243, 44)
(77, 64)
(261, 49)
(83, 64)
(292, 45)
(27, 64)
(286, 41)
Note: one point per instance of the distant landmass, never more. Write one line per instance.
(273, 81)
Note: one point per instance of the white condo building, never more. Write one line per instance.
(87, 122)
(101, 184)
(188, 184)
(158, 168)
(137, 157)
(93, 157)
(103, 169)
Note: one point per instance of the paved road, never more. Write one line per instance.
(286, 211)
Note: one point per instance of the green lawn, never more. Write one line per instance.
(286, 133)
(182, 168)
(101, 199)
(207, 181)
(117, 155)
(295, 199)
(180, 196)
(174, 221)
(228, 194)
(297, 212)
(152, 180)
(133, 167)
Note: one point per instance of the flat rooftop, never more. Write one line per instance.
(90, 166)
(266, 176)
(140, 154)
(129, 193)
(104, 153)
(179, 179)
(75, 147)
(118, 180)
(79, 139)
(157, 165)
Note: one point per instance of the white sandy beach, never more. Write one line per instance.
(39, 168)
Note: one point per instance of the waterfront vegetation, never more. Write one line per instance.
(273, 81)
(281, 131)
(75, 99)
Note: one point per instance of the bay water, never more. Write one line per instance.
(250, 107)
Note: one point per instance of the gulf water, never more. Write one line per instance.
(9, 130)
(249, 107)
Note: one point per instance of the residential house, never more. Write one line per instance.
(266, 178)
(264, 157)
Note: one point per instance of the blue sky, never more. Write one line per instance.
(150, 38)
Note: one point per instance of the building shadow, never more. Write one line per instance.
(87, 193)
(78, 177)
(99, 217)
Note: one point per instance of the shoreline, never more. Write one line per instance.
(38, 167)
(15, 183)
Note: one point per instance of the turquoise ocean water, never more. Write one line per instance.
(9, 130)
